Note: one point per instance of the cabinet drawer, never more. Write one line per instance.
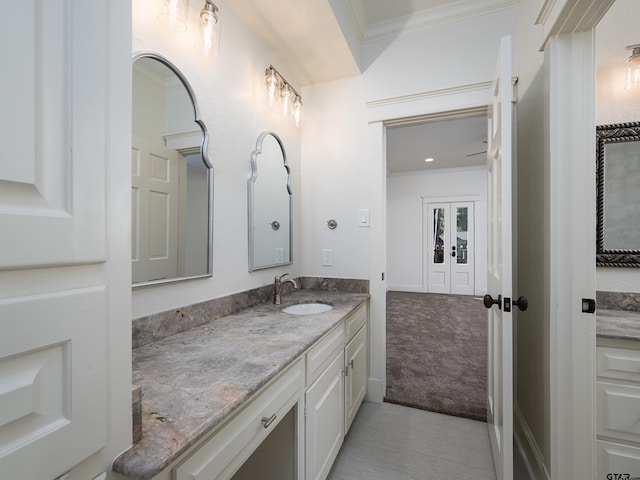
(618, 411)
(356, 320)
(617, 458)
(227, 450)
(618, 363)
(323, 352)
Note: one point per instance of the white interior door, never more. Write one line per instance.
(450, 263)
(53, 212)
(155, 197)
(499, 275)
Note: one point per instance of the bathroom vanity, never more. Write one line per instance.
(618, 392)
(212, 395)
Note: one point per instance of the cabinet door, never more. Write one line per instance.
(324, 431)
(355, 376)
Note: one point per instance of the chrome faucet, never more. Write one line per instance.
(277, 287)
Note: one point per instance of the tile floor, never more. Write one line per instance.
(391, 442)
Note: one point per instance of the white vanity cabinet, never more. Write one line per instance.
(230, 447)
(334, 392)
(618, 407)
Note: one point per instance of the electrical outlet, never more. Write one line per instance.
(327, 257)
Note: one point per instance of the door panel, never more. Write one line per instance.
(53, 345)
(500, 332)
(50, 187)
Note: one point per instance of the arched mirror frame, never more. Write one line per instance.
(251, 198)
(203, 153)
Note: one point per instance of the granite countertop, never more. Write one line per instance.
(192, 381)
(618, 324)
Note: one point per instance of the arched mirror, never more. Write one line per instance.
(172, 179)
(269, 201)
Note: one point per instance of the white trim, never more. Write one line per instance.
(469, 100)
(451, 12)
(412, 97)
(184, 141)
(571, 259)
(558, 17)
(531, 454)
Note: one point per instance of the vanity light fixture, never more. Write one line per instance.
(209, 30)
(632, 73)
(290, 99)
(174, 15)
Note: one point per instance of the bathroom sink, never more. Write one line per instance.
(307, 308)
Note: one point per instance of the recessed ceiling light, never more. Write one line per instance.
(428, 159)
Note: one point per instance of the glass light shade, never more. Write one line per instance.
(174, 15)
(209, 31)
(272, 84)
(297, 110)
(632, 75)
(285, 96)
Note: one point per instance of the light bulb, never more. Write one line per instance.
(297, 110)
(285, 96)
(209, 29)
(174, 15)
(272, 84)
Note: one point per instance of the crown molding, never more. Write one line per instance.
(434, 17)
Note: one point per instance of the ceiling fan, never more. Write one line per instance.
(477, 153)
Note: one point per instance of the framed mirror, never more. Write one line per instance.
(269, 204)
(618, 184)
(172, 179)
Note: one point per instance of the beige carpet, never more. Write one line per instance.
(437, 353)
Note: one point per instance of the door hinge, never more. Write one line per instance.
(588, 305)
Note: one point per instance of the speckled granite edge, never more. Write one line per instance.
(151, 328)
(618, 301)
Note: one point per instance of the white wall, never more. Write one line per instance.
(231, 94)
(342, 170)
(336, 181)
(614, 104)
(405, 222)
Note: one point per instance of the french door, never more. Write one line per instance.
(450, 235)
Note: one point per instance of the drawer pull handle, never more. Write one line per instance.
(267, 421)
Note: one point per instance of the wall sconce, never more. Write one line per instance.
(174, 15)
(632, 74)
(290, 100)
(209, 30)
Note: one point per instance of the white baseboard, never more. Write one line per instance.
(375, 390)
(531, 454)
(405, 288)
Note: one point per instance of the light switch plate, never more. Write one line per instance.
(363, 217)
(327, 257)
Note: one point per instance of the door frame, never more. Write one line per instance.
(562, 20)
(456, 102)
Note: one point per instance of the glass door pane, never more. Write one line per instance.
(462, 235)
(438, 235)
